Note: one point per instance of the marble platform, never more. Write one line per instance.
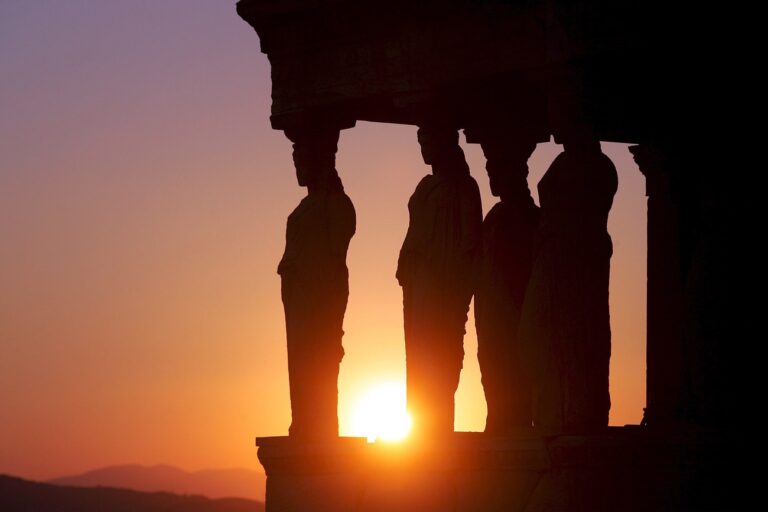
(621, 469)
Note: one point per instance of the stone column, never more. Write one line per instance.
(696, 310)
(504, 267)
(436, 271)
(565, 326)
(719, 312)
(315, 286)
(666, 374)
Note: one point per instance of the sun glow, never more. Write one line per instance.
(380, 414)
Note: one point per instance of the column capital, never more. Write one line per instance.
(651, 162)
(314, 156)
(648, 158)
(506, 152)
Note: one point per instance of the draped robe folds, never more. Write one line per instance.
(565, 327)
(315, 288)
(435, 269)
(503, 272)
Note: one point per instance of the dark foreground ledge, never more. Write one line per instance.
(622, 469)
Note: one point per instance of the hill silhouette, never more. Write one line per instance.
(18, 495)
(213, 483)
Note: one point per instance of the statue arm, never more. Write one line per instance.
(470, 239)
(405, 257)
(339, 227)
(471, 215)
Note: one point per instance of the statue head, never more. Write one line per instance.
(314, 157)
(440, 149)
(507, 165)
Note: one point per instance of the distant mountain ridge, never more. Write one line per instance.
(212, 483)
(18, 495)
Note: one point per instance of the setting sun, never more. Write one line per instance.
(380, 414)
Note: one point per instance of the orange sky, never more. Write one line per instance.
(143, 199)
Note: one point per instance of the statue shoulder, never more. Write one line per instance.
(301, 209)
(347, 202)
(341, 212)
(496, 212)
(423, 189)
(341, 204)
(424, 184)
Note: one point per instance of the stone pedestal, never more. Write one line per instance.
(622, 469)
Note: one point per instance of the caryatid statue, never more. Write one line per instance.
(565, 326)
(315, 284)
(503, 271)
(436, 271)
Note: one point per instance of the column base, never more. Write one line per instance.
(621, 469)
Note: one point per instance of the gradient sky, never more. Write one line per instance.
(143, 198)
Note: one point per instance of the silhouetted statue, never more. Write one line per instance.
(315, 284)
(566, 325)
(503, 272)
(435, 269)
